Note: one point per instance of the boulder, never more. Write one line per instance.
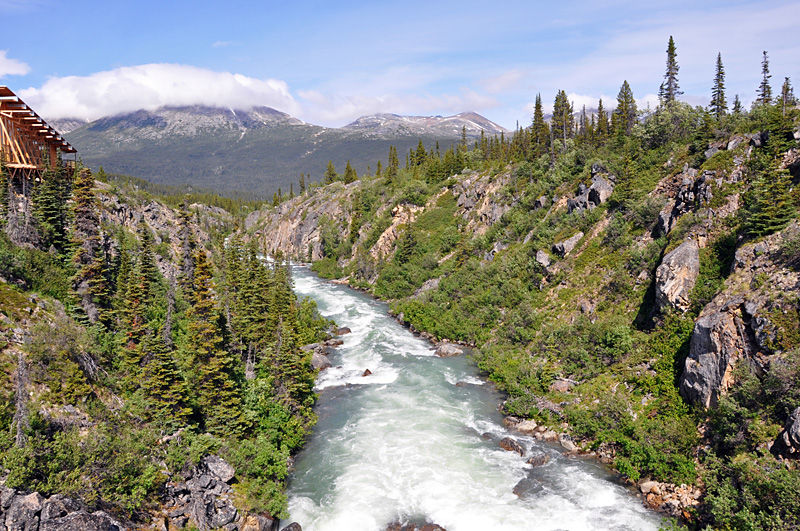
(542, 202)
(647, 486)
(6, 497)
(367, 373)
(58, 506)
(676, 276)
(342, 331)
(719, 340)
(446, 350)
(509, 444)
(22, 515)
(82, 521)
(561, 386)
(320, 362)
(219, 468)
(526, 426)
(294, 526)
(566, 443)
(538, 460)
(542, 258)
(600, 190)
(562, 249)
(259, 523)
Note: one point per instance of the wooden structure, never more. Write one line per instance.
(27, 143)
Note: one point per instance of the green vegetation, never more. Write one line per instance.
(129, 369)
(589, 318)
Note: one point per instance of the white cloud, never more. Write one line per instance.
(503, 82)
(12, 67)
(152, 86)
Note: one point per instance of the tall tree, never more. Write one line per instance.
(540, 134)
(719, 104)
(624, 116)
(213, 366)
(737, 105)
(764, 94)
(787, 96)
(350, 174)
(670, 90)
(330, 173)
(601, 131)
(89, 282)
(302, 184)
(394, 165)
(562, 123)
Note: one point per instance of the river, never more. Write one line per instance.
(417, 440)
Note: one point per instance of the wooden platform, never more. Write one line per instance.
(27, 142)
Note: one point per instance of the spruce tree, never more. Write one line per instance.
(164, 386)
(89, 282)
(719, 104)
(787, 97)
(624, 116)
(562, 123)
(737, 105)
(540, 134)
(302, 184)
(601, 130)
(218, 396)
(330, 173)
(349, 174)
(764, 94)
(394, 165)
(670, 90)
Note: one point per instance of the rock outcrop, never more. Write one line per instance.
(21, 511)
(562, 249)
(595, 194)
(788, 442)
(676, 276)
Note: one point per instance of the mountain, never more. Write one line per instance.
(254, 151)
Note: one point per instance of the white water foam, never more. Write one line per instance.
(417, 441)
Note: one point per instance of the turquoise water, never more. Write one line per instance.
(416, 441)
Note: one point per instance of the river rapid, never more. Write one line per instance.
(417, 441)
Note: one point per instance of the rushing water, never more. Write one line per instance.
(417, 441)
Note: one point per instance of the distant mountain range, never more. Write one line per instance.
(253, 151)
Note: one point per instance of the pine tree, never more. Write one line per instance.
(737, 105)
(330, 173)
(562, 123)
(670, 90)
(719, 104)
(350, 174)
(89, 282)
(764, 94)
(186, 259)
(601, 130)
(218, 396)
(540, 134)
(393, 166)
(624, 116)
(164, 386)
(787, 97)
(50, 207)
(379, 170)
(302, 184)
(4, 184)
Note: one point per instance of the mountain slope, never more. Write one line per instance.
(255, 151)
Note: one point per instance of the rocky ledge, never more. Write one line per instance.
(30, 511)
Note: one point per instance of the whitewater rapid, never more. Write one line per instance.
(417, 441)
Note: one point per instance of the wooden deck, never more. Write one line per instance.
(27, 142)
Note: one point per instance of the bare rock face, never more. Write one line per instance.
(719, 340)
(542, 258)
(219, 468)
(562, 249)
(676, 276)
(23, 513)
(788, 441)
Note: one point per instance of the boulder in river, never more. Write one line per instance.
(320, 362)
(294, 526)
(342, 331)
(446, 350)
(538, 460)
(509, 444)
(367, 373)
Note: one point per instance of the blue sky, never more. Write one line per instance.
(330, 62)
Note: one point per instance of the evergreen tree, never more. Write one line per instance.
(562, 123)
(719, 104)
(764, 94)
(350, 174)
(50, 207)
(601, 130)
(89, 282)
(540, 134)
(186, 259)
(218, 396)
(670, 90)
(330, 173)
(624, 116)
(737, 105)
(302, 184)
(165, 388)
(4, 184)
(379, 170)
(787, 96)
(393, 166)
